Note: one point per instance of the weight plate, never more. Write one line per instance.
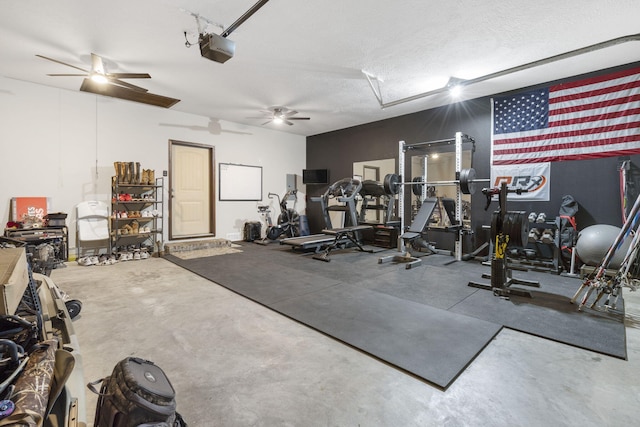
(390, 184)
(517, 228)
(495, 219)
(467, 181)
(416, 188)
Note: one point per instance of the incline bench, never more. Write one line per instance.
(414, 232)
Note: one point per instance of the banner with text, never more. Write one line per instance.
(532, 177)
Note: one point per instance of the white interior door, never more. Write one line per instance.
(191, 197)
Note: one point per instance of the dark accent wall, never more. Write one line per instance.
(593, 183)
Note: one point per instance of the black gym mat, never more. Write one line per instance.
(433, 344)
(424, 320)
(549, 314)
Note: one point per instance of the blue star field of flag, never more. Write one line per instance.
(521, 112)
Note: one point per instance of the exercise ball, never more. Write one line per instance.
(594, 242)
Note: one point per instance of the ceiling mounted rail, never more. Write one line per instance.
(244, 17)
(374, 82)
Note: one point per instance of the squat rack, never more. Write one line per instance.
(459, 139)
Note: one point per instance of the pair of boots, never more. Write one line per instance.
(148, 177)
(127, 172)
(133, 228)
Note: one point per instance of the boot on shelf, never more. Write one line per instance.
(144, 179)
(125, 173)
(138, 177)
(122, 176)
(116, 177)
(132, 172)
(152, 177)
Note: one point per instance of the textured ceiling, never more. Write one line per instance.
(309, 55)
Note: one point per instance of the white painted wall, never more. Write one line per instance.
(62, 144)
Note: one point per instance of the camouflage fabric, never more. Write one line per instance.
(32, 387)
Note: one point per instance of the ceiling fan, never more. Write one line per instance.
(97, 80)
(279, 115)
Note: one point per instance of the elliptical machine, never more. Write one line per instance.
(288, 221)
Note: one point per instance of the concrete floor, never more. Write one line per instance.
(236, 363)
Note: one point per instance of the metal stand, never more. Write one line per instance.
(501, 279)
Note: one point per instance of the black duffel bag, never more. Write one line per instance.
(137, 393)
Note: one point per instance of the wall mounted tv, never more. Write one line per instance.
(315, 176)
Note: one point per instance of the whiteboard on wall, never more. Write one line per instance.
(240, 182)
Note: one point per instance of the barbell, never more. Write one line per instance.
(467, 180)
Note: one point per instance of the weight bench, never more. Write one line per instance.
(342, 235)
(414, 232)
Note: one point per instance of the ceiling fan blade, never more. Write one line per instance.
(129, 75)
(287, 122)
(128, 85)
(96, 64)
(67, 75)
(289, 113)
(62, 63)
(120, 92)
(299, 118)
(267, 122)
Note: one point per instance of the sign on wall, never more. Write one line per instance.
(532, 177)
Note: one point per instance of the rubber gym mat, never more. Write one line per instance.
(259, 280)
(425, 341)
(549, 314)
(353, 297)
(430, 343)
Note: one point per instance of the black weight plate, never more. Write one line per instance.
(517, 228)
(390, 184)
(495, 219)
(416, 188)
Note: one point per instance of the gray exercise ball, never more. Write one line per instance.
(594, 242)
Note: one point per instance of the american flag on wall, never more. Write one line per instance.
(585, 119)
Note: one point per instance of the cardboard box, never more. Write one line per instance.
(14, 278)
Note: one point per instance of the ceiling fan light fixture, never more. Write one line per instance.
(99, 78)
(278, 120)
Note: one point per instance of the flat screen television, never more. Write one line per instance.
(315, 176)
